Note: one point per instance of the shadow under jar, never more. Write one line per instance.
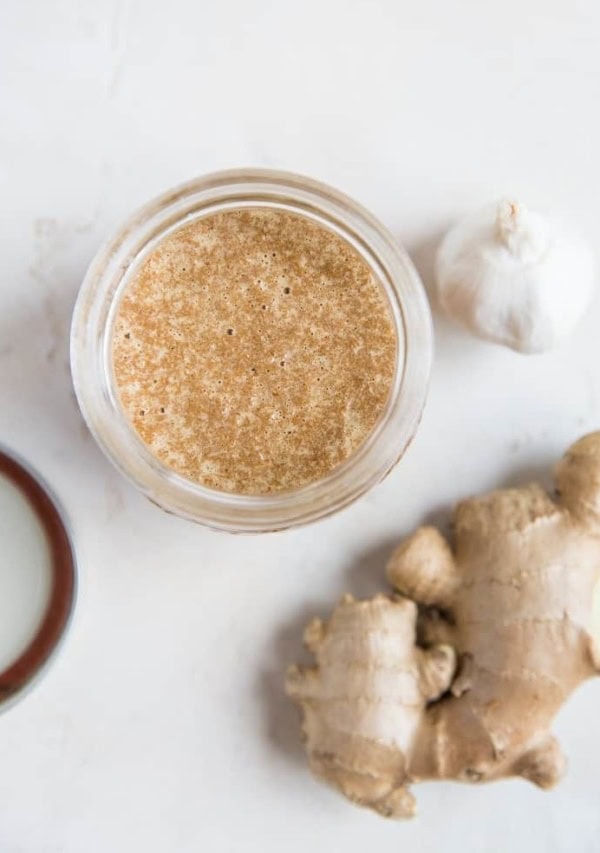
(252, 350)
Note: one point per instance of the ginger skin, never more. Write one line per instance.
(459, 674)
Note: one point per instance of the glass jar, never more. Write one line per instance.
(119, 259)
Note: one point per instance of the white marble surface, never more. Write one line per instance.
(162, 726)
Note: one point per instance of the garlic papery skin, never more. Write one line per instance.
(514, 277)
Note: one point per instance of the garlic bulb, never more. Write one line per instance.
(515, 278)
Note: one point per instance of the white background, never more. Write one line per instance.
(162, 727)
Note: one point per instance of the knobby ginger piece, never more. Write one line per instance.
(459, 673)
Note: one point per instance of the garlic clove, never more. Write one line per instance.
(515, 278)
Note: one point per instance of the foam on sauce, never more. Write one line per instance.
(253, 351)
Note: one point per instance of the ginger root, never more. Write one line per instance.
(459, 673)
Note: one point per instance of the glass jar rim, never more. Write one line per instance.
(91, 334)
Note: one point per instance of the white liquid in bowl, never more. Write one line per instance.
(25, 573)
